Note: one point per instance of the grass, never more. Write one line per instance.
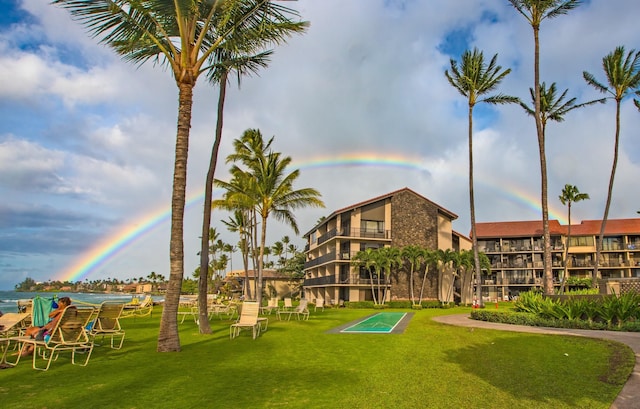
(297, 364)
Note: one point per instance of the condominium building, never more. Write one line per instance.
(396, 219)
(515, 250)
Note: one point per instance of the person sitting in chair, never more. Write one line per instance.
(38, 333)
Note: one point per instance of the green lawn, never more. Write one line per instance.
(296, 364)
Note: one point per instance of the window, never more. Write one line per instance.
(373, 226)
(577, 241)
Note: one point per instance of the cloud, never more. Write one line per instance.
(91, 138)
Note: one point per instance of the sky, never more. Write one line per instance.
(359, 102)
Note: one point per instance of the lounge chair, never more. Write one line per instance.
(271, 306)
(140, 309)
(288, 305)
(319, 304)
(107, 323)
(68, 334)
(300, 311)
(248, 320)
(12, 323)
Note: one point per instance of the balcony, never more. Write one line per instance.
(353, 279)
(355, 233)
(320, 260)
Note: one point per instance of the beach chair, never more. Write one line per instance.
(68, 334)
(248, 320)
(140, 309)
(272, 305)
(288, 305)
(12, 323)
(319, 304)
(107, 323)
(301, 310)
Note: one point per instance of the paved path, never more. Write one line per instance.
(629, 397)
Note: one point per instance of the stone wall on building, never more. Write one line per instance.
(414, 221)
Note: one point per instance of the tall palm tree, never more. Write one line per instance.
(242, 65)
(552, 106)
(570, 194)
(269, 187)
(182, 35)
(414, 255)
(535, 11)
(623, 77)
(390, 257)
(473, 79)
(368, 259)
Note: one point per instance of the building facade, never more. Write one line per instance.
(396, 219)
(515, 250)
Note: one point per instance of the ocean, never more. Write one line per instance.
(9, 299)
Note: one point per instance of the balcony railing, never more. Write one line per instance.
(353, 279)
(357, 233)
(320, 260)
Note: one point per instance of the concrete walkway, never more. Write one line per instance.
(629, 397)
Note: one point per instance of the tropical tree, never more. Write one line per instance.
(389, 258)
(182, 35)
(368, 259)
(535, 11)
(415, 256)
(239, 223)
(473, 78)
(570, 194)
(623, 77)
(430, 260)
(270, 189)
(446, 264)
(226, 62)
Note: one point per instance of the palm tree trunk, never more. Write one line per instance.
(472, 207)
(548, 272)
(373, 291)
(203, 315)
(263, 242)
(566, 251)
(168, 337)
(609, 196)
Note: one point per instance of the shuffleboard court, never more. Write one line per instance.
(380, 323)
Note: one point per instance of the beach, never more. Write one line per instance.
(9, 299)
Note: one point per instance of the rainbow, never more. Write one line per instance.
(105, 250)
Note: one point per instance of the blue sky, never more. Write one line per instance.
(86, 140)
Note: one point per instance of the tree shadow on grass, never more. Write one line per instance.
(516, 366)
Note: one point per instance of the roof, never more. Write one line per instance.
(517, 229)
(612, 227)
(377, 199)
(534, 228)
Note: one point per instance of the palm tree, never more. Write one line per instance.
(389, 257)
(474, 79)
(415, 256)
(570, 194)
(268, 187)
(219, 74)
(623, 77)
(368, 259)
(183, 35)
(535, 11)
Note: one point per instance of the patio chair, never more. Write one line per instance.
(300, 311)
(288, 305)
(248, 320)
(107, 323)
(271, 306)
(12, 323)
(68, 334)
(141, 309)
(319, 304)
